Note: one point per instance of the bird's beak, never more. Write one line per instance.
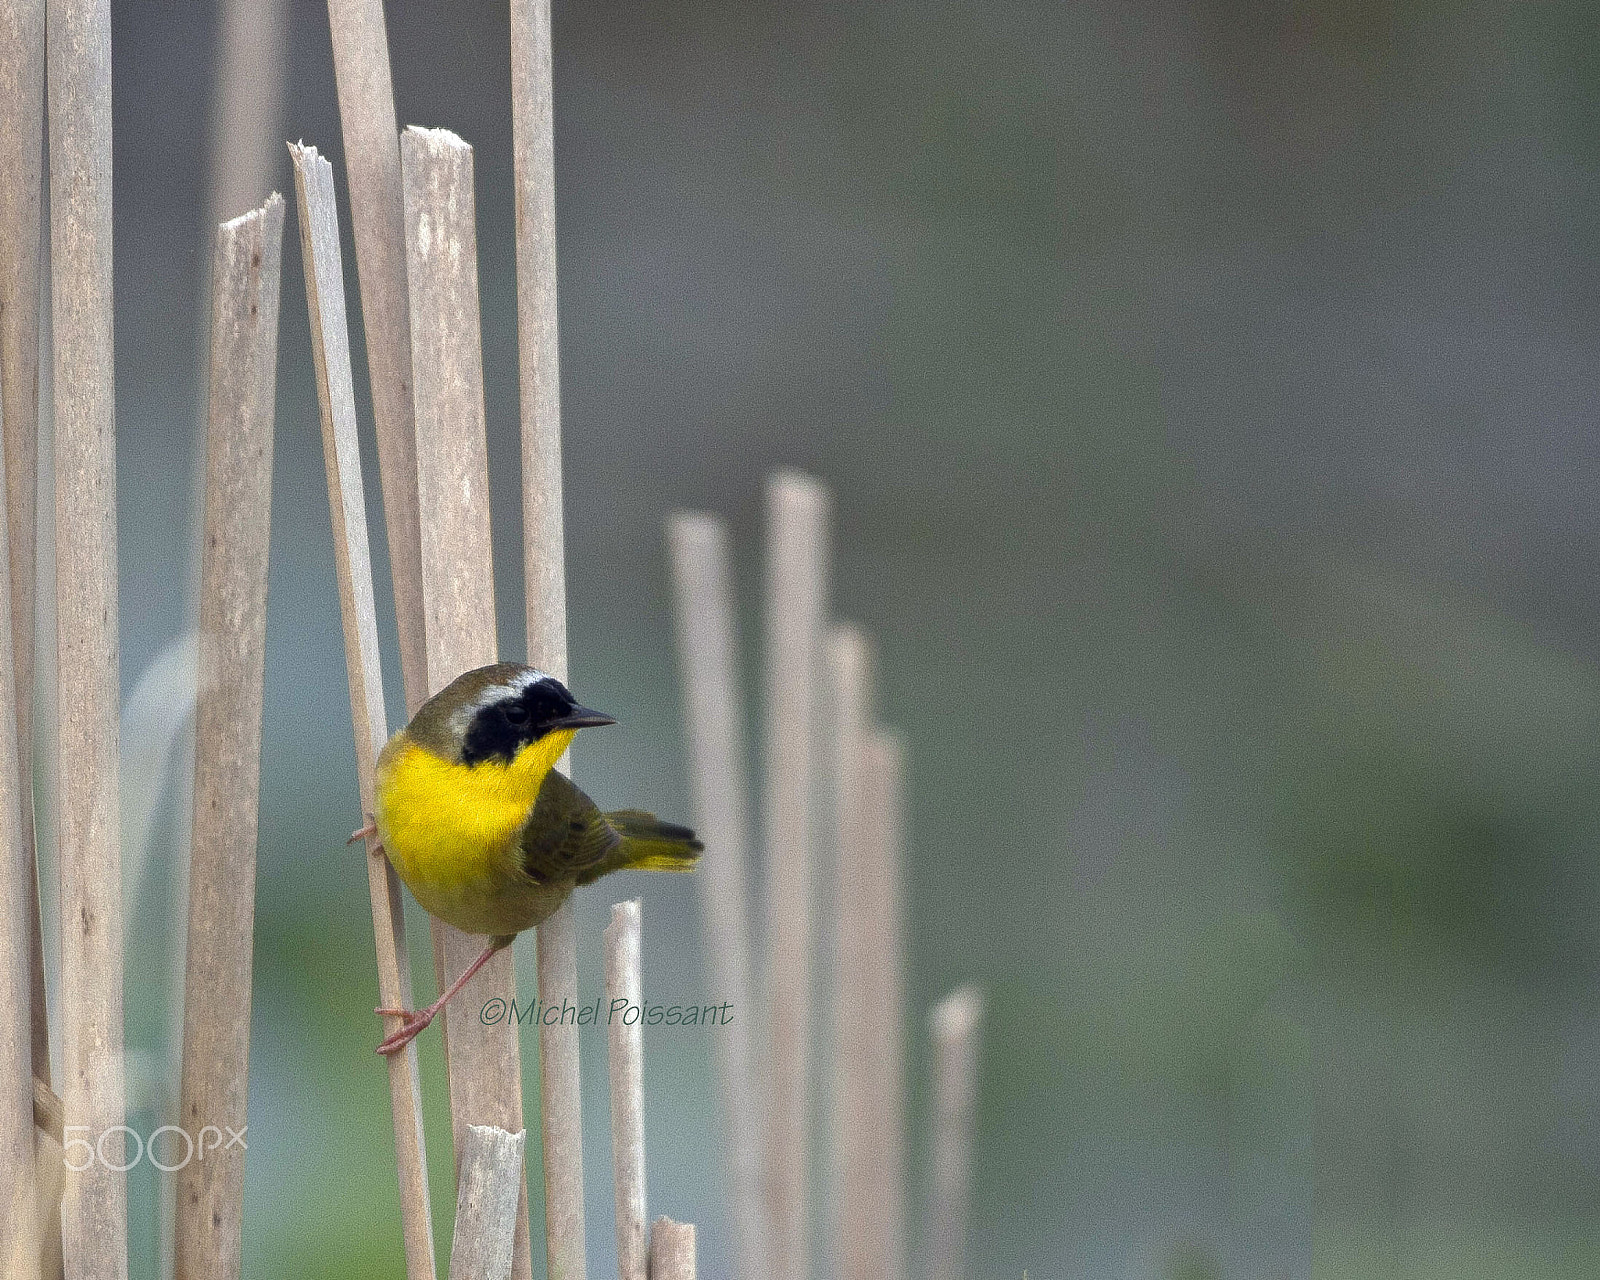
(583, 718)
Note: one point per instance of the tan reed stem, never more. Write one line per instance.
(868, 1092)
(20, 1204)
(233, 639)
(533, 151)
(714, 708)
(953, 1026)
(94, 1211)
(330, 345)
(457, 571)
(796, 606)
(487, 1196)
(544, 562)
(626, 1062)
(672, 1249)
(560, 1100)
(377, 215)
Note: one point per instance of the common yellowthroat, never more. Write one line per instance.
(484, 831)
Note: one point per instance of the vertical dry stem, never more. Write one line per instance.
(19, 1200)
(714, 709)
(626, 1060)
(487, 1198)
(245, 113)
(457, 570)
(330, 345)
(377, 214)
(544, 561)
(868, 1095)
(796, 603)
(672, 1250)
(866, 1140)
(560, 1100)
(94, 1208)
(953, 1026)
(233, 636)
(22, 161)
(537, 347)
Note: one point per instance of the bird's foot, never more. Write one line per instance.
(412, 1024)
(371, 829)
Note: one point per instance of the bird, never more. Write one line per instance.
(482, 828)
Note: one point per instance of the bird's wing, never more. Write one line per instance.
(565, 833)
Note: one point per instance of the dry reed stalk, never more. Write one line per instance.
(247, 91)
(850, 690)
(20, 1203)
(94, 1211)
(796, 604)
(330, 345)
(488, 1189)
(457, 572)
(867, 1141)
(22, 161)
(377, 215)
(672, 1248)
(233, 638)
(714, 708)
(872, 1229)
(561, 1100)
(544, 563)
(953, 1026)
(624, 982)
(533, 149)
(247, 106)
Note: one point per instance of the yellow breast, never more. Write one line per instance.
(449, 830)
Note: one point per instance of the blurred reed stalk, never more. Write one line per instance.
(487, 1203)
(626, 1068)
(246, 114)
(94, 1210)
(377, 216)
(714, 707)
(544, 565)
(483, 1063)
(248, 104)
(797, 575)
(22, 60)
(341, 450)
(953, 1028)
(868, 1119)
(233, 638)
(672, 1249)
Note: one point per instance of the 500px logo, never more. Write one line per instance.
(210, 1138)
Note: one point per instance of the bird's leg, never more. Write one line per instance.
(413, 1023)
(371, 829)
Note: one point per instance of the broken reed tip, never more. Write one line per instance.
(437, 137)
(792, 486)
(698, 529)
(958, 1014)
(272, 202)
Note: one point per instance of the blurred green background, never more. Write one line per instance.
(1207, 393)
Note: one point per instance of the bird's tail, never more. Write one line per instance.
(648, 844)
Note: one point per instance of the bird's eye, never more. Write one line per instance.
(516, 713)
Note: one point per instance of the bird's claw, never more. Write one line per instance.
(371, 829)
(412, 1025)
